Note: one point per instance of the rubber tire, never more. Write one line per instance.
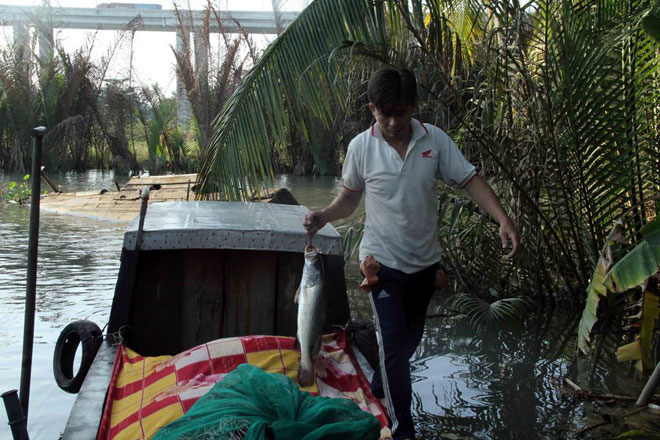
(85, 333)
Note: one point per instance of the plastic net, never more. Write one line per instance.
(251, 404)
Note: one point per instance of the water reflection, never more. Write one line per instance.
(492, 384)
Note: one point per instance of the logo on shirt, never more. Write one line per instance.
(427, 154)
(383, 294)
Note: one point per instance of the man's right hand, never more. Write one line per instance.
(313, 221)
(342, 206)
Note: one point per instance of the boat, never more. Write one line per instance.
(192, 272)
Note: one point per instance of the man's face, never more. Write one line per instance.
(394, 122)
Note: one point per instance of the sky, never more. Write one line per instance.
(153, 60)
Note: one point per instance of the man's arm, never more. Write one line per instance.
(342, 206)
(484, 196)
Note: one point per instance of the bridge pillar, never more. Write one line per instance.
(201, 54)
(183, 104)
(46, 44)
(21, 35)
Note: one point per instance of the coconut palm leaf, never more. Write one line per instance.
(351, 232)
(482, 312)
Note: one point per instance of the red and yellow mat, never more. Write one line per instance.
(146, 393)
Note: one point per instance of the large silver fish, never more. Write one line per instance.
(311, 313)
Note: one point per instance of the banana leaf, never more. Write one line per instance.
(631, 352)
(597, 289)
(650, 314)
(640, 349)
(631, 271)
(639, 264)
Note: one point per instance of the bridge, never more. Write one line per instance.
(154, 20)
(151, 19)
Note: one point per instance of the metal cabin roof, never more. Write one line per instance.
(229, 225)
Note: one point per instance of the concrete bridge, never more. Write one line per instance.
(154, 20)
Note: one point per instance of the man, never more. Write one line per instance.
(396, 163)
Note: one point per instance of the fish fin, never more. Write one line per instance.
(317, 347)
(297, 297)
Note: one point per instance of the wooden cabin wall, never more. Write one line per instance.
(155, 316)
(250, 293)
(202, 295)
(187, 297)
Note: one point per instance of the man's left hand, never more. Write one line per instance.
(509, 235)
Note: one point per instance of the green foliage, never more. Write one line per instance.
(19, 192)
(489, 311)
(165, 142)
(351, 232)
(642, 262)
(651, 21)
(629, 271)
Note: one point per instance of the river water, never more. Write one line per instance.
(467, 384)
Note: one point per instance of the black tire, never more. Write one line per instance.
(85, 333)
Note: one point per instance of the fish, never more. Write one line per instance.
(312, 303)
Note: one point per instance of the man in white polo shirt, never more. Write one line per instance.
(396, 163)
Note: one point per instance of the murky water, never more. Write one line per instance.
(467, 384)
(77, 269)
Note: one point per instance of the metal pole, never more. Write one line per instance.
(17, 420)
(649, 389)
(31, 288)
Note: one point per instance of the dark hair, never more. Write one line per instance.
(390, 88)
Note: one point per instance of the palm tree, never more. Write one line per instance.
(20, 103)
(210, 77)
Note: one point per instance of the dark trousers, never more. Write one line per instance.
(399, 301)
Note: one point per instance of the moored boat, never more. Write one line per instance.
(196, 272)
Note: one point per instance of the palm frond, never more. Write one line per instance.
(499, 311)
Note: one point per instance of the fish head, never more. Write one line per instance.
(312, 253)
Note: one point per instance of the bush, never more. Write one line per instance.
(19, 192)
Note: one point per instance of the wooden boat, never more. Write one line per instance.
(198, 271)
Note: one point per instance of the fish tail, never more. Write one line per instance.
(306, 375)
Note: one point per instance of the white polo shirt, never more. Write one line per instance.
(401, 201)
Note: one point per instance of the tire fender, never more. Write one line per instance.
(84, 333)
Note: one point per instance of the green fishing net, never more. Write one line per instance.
(251, 404)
